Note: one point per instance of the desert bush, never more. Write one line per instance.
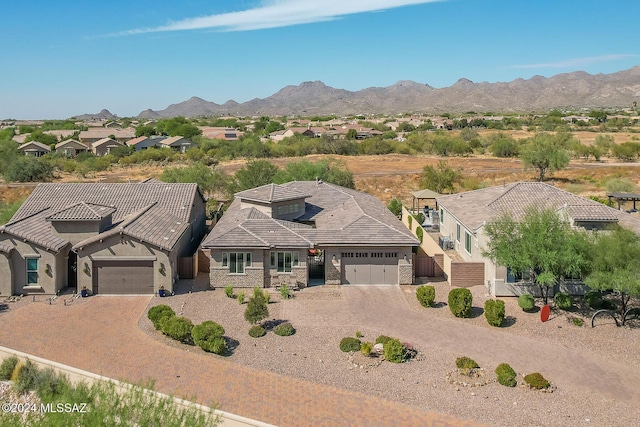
(359, 334)
(460, 301)
(536, 381)
(256, 307)
(594, 299)
(49, 384)
(205, 331)
(383, 339)
(6, 367)
(348, 344)
(159, 313)
(394, 351)
(26, 378)
(506, 375)
(526, 302)
(466, 365)
(494, 312)
(16, 371)
(410, 221)
(215, 344)
(366, 348)
(420, 234)
(563, 300)
(284, 329)
(577, 321)
(178, 327)
(241, 296)
(228, 291)
(257, 331)
(426, 294)
(285, 292)
(267, 296)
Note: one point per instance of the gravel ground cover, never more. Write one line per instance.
(323, 315)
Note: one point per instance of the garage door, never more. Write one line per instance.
(123, 277)
(370, 268)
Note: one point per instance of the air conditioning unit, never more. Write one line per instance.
(445, 242)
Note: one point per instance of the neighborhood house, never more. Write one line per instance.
(308, 232)
(110, 238)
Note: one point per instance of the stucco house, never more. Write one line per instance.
(34, 149)
(463, 216)
(308, 232)
(178, 143)
(104, 146)
(112, 238)
(71, 147)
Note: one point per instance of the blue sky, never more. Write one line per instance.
(61, 59)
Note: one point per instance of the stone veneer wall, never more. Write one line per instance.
(406, 273)
(219, 278)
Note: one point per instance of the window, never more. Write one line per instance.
(284, 261)
(513, 276)
(467, 242)
(391, 255)
(362, 255)
(236, 261)
(347, 255)
(288, 209)
(458, 233)
(32, 271)
(376, 254)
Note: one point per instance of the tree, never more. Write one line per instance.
(206, 178)
(28, 169)
(352, 134)
(254, 174)
(615, 264)
(256, 307)
(441, 178)
(328, 170)
(395, 206)
(544, 153)
(542, 244)
(145, 130)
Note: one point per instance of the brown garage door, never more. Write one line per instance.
(123, 277)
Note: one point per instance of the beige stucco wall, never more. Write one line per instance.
(6, 285)
(49, 283)
(77, 231)
(116, 248)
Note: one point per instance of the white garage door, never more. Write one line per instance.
(369, 268)
(123, 277)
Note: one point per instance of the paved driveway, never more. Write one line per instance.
(101, 335)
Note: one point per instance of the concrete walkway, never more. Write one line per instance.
(101, 335)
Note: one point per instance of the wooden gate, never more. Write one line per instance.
(186, 268)
(425, 266)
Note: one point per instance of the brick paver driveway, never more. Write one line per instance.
(590, 373)
(101, 335)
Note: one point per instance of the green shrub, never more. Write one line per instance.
(228, 291)
(26, 378)
(494, 311)
(215, 344)
(241, 296)
(257, 331)
(256, 307)
(460, 301)
(426, 294)
(419, 234)
(409, 221)
(7, 367)
(506, 375)
(594, 299)
(466, 365)
(178, 327)
(284, 329)
(563, 300)
(206, 331)
(359, 334)
(159, 313)
(577, 321)
(394, 351)
(608, 305)
(383, 339)
(267, 296)
(366, 348)
(526, 302)
(536, 381)
(16, 371)
(49, 384)
(350, 344)
(285, 292)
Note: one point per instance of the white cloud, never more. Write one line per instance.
(279, 13)
(578, 62)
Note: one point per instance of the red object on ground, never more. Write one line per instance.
(544, 313)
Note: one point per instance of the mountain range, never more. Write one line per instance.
(570, 90)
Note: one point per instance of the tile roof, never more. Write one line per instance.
(153, 211)
(71, 142)
(270, 193)
(342, 217)
(5, 249)
(82, 211)
(474, 208)
(37, 146)
(105, 141)
(138, 140)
